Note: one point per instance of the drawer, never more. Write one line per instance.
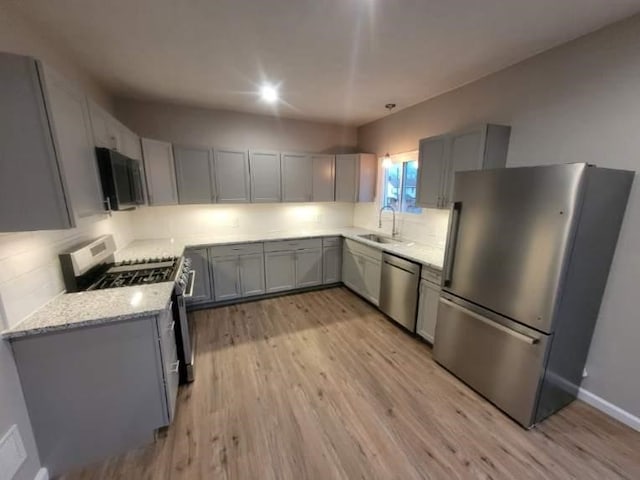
(361, 249)
(331, 241)
(287, 245)
(235, 249)
(431, 275)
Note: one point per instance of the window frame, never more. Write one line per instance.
(399, 159)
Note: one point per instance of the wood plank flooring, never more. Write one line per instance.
(320, 385)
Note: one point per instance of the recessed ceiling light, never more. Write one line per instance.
(269, 93)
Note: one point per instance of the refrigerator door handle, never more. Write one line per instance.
(452, 239)
(497, 326)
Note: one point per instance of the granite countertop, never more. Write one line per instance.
(73, 310)
(429, 256)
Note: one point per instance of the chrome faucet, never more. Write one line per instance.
(394, 232)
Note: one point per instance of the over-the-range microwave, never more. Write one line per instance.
(121, 180)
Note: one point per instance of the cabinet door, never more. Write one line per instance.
(428, 310)
(252, 275)
(351, 271)
(280, 271)
(72, 129)
(346, 178)
(467, 149)
(297, 177)
(432, 162)
(226, 278)
(367, 174)
(331, 264)
(232, 176)
(160, 172)
(103, 127)
(324, 178)
(265, 177)
(28, 166)
(194, 175)
(202, 291)
(130, 143)
(308, 267)
(372, 270)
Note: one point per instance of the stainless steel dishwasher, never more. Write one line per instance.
(399, 290)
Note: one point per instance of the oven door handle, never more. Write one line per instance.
(190, 284)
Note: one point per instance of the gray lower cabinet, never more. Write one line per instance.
(361, 270)
(47, 149)
(308, 267)
(160, 172)
(194, 175)
(238, 271)
(481, 147)
(202, 291)
(297, 177)
(356, 176)
(331, 260)
(265, 176)
(280, 270)
(324, 178)
(97, 391)
(428, 310)
(232, 175)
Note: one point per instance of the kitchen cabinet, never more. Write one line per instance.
(104, 128)
(194, 175)
(280, 271)
(427, 310)
(361, 269)
(297, 177)
(98, 391)
(440, 157)
(265, 176)
(324, 178)
(232, 175)
(331, 260)
(356, 177)
(237, 271)
(48, 177)
(291, 264)
(202, 291)
(160, 172)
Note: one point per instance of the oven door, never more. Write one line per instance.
(500, 359)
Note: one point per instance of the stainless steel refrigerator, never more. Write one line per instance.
(527, 258)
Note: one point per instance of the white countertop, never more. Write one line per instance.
(73, 310)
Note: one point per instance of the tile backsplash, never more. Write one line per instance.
(184, 220)
(30, 272)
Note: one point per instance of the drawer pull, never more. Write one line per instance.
(174, 367)
(171, 326)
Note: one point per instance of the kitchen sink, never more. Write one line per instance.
(377, 238)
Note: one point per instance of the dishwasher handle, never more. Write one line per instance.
(401, 263)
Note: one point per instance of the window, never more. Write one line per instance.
(400, 182)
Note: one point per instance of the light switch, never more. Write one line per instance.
(12, 453)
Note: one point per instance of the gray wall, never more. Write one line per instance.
(578, 102)
(221, 128)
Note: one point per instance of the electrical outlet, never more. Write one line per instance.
(12, 453)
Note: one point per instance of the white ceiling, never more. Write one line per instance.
(336, 60)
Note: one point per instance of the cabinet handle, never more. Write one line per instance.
(171, 326)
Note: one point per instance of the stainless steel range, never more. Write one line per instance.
(91, 266)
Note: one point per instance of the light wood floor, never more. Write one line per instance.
(320, 386)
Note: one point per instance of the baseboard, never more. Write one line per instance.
(43, 474)
(610, 409)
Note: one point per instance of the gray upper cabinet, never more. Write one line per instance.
(194, 175)
(297, 177)
(356, 177)
(324, 178)
(476, 148)
(265, 176)
(104, 128)
(431, 171)
(47, 157)
(160, 172)
(232, 175)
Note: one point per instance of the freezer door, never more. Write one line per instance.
(509, 239)
(498, 358)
